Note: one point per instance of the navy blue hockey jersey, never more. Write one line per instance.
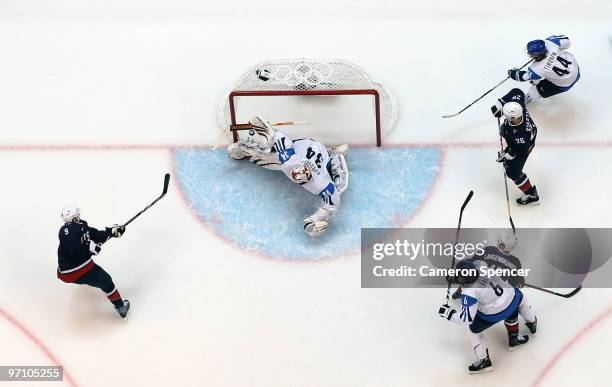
(73, 254)
(520, 138)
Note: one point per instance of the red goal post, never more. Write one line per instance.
(310, 77)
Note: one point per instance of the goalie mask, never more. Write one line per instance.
(301, 174)
(261, 131)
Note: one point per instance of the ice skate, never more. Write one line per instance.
(514, 341)
(532, 326)
(123, 310)
(482, 365)
(529, 198)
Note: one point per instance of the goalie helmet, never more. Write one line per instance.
(301, 174)
(506, 241)
(71, 214)
(513, 111)
(261, 131)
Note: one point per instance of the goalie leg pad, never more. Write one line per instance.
(340, 172)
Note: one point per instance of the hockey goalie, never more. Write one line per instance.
(321, 171)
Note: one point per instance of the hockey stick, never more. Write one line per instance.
(249, 126)
(222, 134)
(165, 190)
(465, 202)
(568, 295)
(501, 146)
(485, 94)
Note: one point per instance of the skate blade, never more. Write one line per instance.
(510, 349)
(481, 371)
(532, 204)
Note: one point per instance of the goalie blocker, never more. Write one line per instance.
(321, 171)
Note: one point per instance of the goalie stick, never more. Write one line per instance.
(465, 202)
(164, 191)
(567, 295)
(482, 96)
(249, 126)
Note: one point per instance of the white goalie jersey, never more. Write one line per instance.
(304, 161)
(308, 152)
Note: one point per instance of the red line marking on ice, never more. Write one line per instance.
(146, 147)
(570, 345)
(21, 327)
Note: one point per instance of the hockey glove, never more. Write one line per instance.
(516, 74)
(94, 248)
(446, 311)
(497, 109)
(506, 155)
(115, 230)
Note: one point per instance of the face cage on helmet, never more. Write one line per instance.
(514, 121)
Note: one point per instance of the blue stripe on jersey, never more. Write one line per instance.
(327, 193)
(532, 75)
(504, 314)
(555, 39)
(285, 155)
(466, 302)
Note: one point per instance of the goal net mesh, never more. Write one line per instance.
(310, 77)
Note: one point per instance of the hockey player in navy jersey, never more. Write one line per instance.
(320, 171)
(553, 70)
(519, 131)
(499, 256)
(78, 243)
(486, 301)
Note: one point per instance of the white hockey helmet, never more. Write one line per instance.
(261, 131)
(301, 174)
(71, 214)
(506, 241)
(513, 111)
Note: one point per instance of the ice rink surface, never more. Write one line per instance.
(98, 102)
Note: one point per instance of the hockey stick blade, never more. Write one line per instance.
(465, 203)
(166, 183)
(164, 191)
(568, 295)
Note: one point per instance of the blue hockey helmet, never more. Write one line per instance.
(536, 48)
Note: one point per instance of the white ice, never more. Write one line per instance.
(95, 96)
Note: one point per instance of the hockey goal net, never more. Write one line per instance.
(332, 94)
